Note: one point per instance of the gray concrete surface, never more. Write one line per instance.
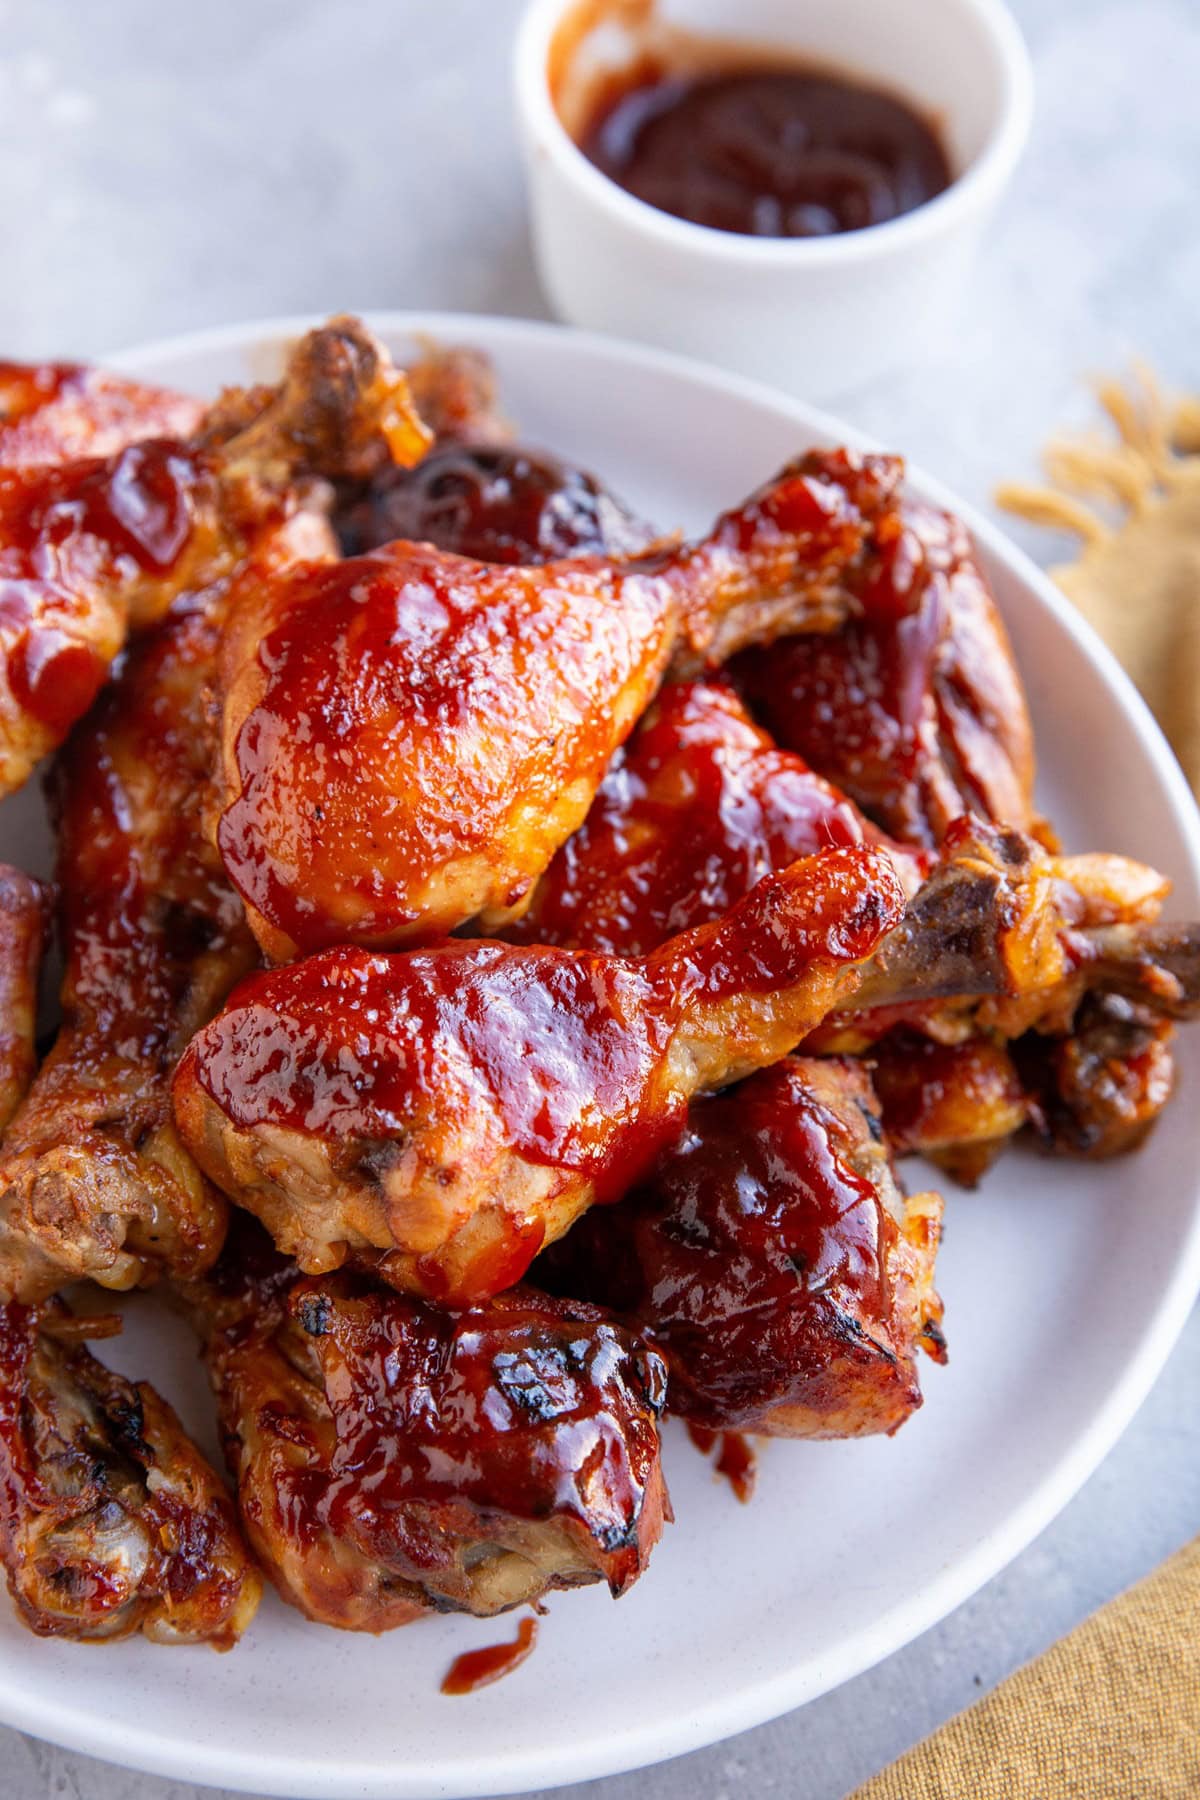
(166, 166)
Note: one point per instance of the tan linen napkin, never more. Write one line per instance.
(1134, 499)
(1112, 1712)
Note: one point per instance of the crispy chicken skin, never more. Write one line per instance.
(59, 412)
(111, 1522)
(25, 906)
(1094, 1090)
(914, 708)
(93, 549)
(442, 1113)
(695, 809)
(773, 1260)
(409, 736)
(393, 1459)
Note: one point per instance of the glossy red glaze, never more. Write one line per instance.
(59, 412)
(558, 1055)
(738, 1463)
(914, 709)
(71, 539)
(935, 1095)
(354, 1046)
(143, 892)
(140, 502)
(497, 503)
(475, 1669)
(527, 1407)
(783, 152)
(695, 810)
(410, 736)
(755, 1256)
(366, 762)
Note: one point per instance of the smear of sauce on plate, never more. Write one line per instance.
(475, 1669)
(735, 1459)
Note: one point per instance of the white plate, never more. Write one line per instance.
(1065, 1287)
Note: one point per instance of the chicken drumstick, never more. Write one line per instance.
(409, 736)
(440, 1114)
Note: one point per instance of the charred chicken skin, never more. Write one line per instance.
(443, 1113)
(1097, 1091)
(393, 1459)
(93, 549)
(111, 1522)
(60, 412)
(409, 736)
(773, 1259)
(914, 707)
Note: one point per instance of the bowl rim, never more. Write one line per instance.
(969, 192)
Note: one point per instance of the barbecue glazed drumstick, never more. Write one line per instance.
(392, 1459)
(60, 412)
(111, 1521)
(91, 550)
(695, 809)
(440, 1114)
(773, 1259)
(409, 736)
(914, 707)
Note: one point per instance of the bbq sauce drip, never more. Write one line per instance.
(781, 153)
(735, 1459)
(478, 1668)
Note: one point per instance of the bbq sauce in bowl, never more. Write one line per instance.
(768, 152)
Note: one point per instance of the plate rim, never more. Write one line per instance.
(720, 1716)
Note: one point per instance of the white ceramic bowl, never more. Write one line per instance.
(1065, 1283)
(814, 315)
